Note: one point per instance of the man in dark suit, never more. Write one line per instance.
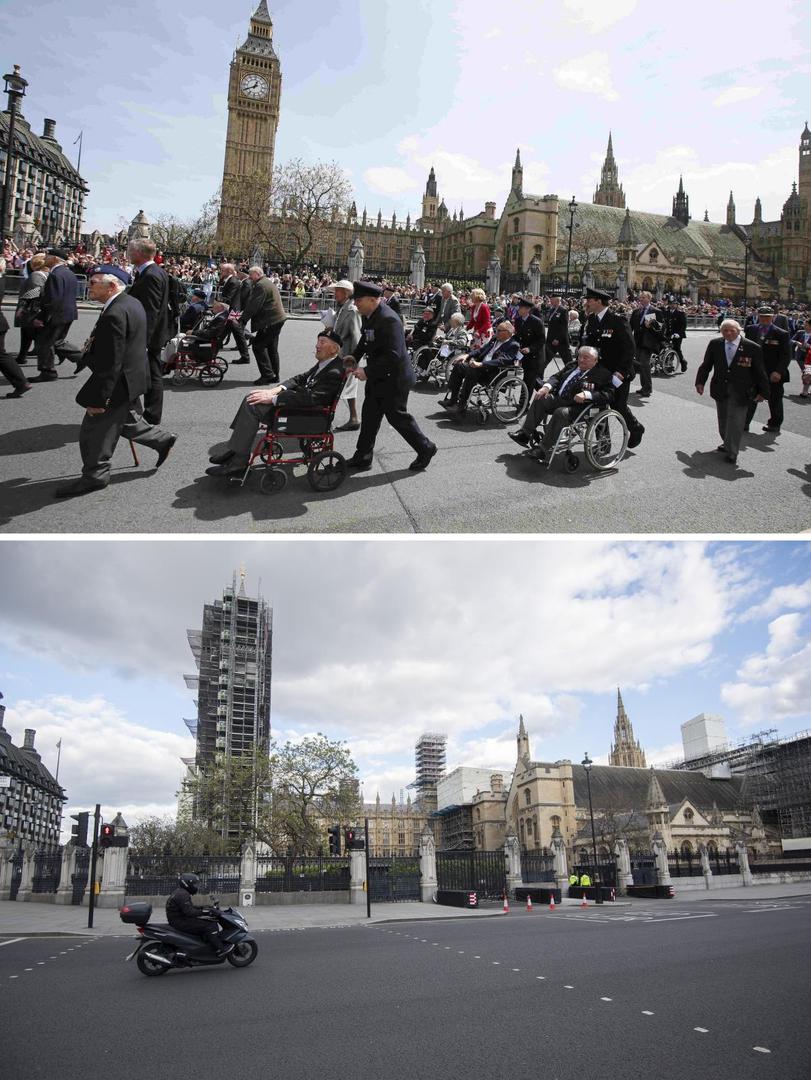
(231, 294)
(58, 311)
(776, 345)
(388, 377)
(611, 336)
(267, 316)
(647, 326)
(116, 356)
(481, 366)
(151, 288)
(738, 382)
(562, 397)
(676, 329)
(318, 387)
(531, 337)
(557, 332)
(391, 298)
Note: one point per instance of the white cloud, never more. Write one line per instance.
(796, 597)
(734, 94)
(588, 74)
(389, 180)
(595, 16)
(106, 757)
(774, 685)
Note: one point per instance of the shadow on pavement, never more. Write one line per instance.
(32, 440)
(213, 500)
(703, 463)
(805, 476)
(21, 496)
(520, 467)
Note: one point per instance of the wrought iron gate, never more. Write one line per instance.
(47, 871)
(394, 878)
(606, 871)
(16, 873)
(537, 866)
(643, 869)
(81, 871)
(482, 872)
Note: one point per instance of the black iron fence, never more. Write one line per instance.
(643, 869)
(81, 870)
(684, 864)
(537, 866)
(394, 878)
(47, 871)
(723, 862)
(156, 875)
(781, 864)
(482, 872)
(16, 873)
(310, 873)
(606, 873)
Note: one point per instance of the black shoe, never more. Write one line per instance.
(684, 365)
(262, 381)
(635, 437)
(220, 459)
(242, 360)
(721, 449)
(644, 393)
(79, 487)
(519, 436)
(360, 463)
(446, 403)
(45, 376)
(229, 468)
(19, 393)
(423, 459)
(165, 450)
(769, 427)
(732, 459)
(22, 360)
(350, 425)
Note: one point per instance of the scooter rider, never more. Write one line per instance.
(187, 917)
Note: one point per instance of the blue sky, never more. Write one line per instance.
(376, 642)
(387, 91)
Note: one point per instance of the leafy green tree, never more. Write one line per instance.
(167, 836)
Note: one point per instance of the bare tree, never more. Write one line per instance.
(165, 836)
(590, 246)
(188, 236)
(290, 217)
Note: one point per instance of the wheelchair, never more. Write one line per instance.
(506, 397)
(198, 353)
(665, 362)
(312, 430)
(600, 431)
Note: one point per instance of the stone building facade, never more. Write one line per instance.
(31, 800)
(394, 828)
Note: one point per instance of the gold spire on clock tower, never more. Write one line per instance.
(254, 91)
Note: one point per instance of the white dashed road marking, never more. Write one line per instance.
(11, 941)
(647, 1012)
(761, 1049)
(702, 1030)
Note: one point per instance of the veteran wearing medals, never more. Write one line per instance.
(610, 335)
(388, 377)
(116, 354)
(739, 381)
(776, 345)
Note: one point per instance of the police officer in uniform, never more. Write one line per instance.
(676, 328)
(557, 332)
(389, 376)
(610, 335)
(531, 337)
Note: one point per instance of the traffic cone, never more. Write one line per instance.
(584, 902)
(506, 908)
(551, 901)
(529, 902)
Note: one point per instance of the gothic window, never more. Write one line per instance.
(478, 814)
(688, 814)
(515, 226)
(654, 254)
(530, 826)
(527, 796)
(687, 849)
(555, 820)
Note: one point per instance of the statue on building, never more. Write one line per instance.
(494, 275)
(418, 267)
(356, 257)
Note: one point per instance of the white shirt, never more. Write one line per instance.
(119, 293)
(731, 348)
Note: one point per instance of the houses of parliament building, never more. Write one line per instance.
(614, 246)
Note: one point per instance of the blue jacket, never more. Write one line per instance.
(59, 296)
(497, 353)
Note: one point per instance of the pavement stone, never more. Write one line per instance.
(674, 483)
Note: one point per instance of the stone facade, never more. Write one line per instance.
(394, 828)
(31, 800)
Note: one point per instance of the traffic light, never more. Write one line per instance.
(106, 836)
(354, 840)
(78, 832)
(334, 834)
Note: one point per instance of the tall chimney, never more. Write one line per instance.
(497, 783)
(28, 741)
(49, 131)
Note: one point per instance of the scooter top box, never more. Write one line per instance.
(139, 913)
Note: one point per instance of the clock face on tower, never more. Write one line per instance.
(254, 86)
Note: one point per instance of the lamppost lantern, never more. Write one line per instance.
(15, 86)
(15, 83)
(570, 227)
(587, 764)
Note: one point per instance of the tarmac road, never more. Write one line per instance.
(675, 482)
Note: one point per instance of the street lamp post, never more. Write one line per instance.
(587, 764)
(15, 89)
(570, 227)
(747, 247)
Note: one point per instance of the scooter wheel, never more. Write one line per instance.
(152, 967)
(242, 954)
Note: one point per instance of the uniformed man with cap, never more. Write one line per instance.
(116, 354)
(531, 337)
(388, 375)
(776, 345)
(610, 335)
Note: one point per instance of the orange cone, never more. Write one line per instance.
(506, 908)
(551, 901)
(529, 902)
(584, 902)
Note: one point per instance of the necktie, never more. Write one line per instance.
(570, 386)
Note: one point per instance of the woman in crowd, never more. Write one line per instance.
(480, 322)
(27, 307)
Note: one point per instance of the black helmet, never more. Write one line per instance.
(189, 882)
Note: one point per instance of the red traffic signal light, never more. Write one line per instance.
(106, 836)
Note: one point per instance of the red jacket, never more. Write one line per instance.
(480, 321)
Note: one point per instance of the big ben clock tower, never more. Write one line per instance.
(254, 90)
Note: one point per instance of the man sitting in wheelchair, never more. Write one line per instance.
(481, 366)
(424, 330)
(314, 389)
(561, 399)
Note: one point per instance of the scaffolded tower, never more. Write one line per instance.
(430, 763)
(233, 653)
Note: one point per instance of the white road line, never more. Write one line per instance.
(497, 962)
(28, 969)
(682, 918)
(567, 987)
(540, 976)
(11, 942)
(703, 1031)
(41, 963)
(516, 969)
(606, 999)
(647, 1012)
(761, 1049)
(477, 958)
(14, 976)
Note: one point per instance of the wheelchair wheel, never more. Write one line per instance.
(327, 471)
(606, 440)
(275, 454)
(182, 373)
(510, 398)
(572, 462)
(211, 375)
(669, 361)
(273, 481)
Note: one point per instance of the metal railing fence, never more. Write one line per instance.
(309, 873)
(156, 875)
(47, 871)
